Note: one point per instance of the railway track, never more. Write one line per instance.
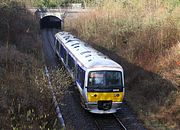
(122, 120)
(108, 122)
(128, 119)
(48, 68)
(101, 122)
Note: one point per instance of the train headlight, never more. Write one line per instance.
(116, 95)
(94, 95)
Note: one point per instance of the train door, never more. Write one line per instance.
(80, 77)
(63, 55)
(71, 65)
(57, 47)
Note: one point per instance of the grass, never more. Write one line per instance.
(25, 98)
(143, 36)
(115, 24)
(61, 81)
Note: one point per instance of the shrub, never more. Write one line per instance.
(139, 35)
(24, 95)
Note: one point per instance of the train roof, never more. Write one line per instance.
(84, 53)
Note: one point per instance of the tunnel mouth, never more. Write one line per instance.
(50, 22)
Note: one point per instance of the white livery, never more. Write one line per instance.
(99, 79)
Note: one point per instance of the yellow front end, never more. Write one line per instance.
(105, 96)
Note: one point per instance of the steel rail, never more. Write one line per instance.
(55, 103)
(58, 111)
(120, 122)
(111, 122)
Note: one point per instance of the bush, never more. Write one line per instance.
(136, 30)
(139, 35)
(19, 28)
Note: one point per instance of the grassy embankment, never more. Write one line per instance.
(24, 95)
(143, 36)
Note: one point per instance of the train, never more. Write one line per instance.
(99, 79)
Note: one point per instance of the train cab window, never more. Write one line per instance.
(105, 79)
(113, 78)
(96, 78)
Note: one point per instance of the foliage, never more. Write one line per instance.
(143, 36)
(18, 33)
(46, 3)
(24, 94)
(57, 3)
(131, 25)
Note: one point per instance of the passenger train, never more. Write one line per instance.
(99, 79)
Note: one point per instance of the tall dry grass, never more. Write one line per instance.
(142, 33)
(25, 98)
(134, 29)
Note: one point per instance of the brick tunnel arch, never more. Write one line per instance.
(50, 22)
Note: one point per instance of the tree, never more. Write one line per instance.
(47, 3)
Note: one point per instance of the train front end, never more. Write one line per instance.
(105, 90)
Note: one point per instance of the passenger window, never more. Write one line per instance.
(71, 63)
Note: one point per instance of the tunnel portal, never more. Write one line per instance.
(50, 22)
